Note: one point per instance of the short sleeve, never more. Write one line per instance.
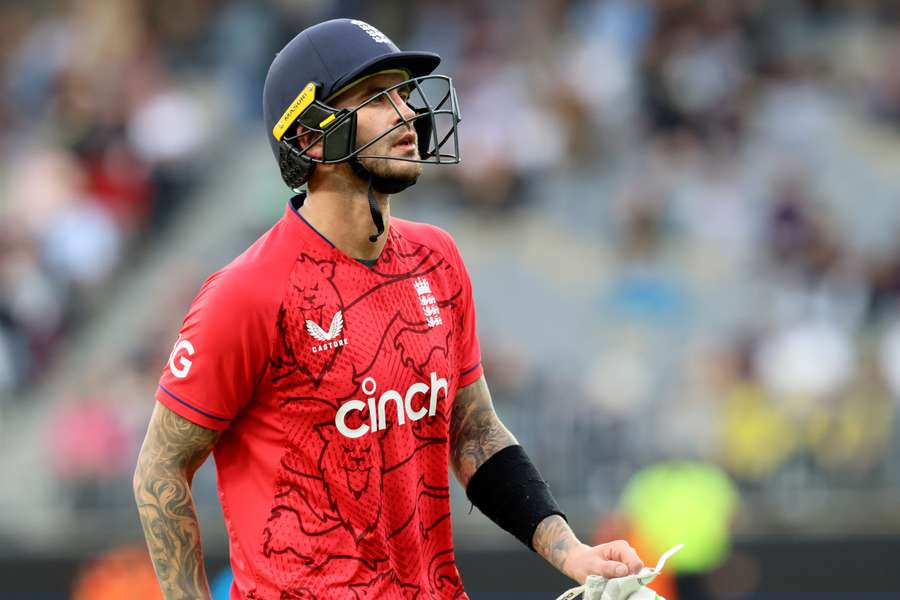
(469, 347)
(220, 355)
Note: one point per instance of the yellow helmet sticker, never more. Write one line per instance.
(300, 103)
(327, 121)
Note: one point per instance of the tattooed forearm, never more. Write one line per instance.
(172, 452)
(476, 432)
(553, 539)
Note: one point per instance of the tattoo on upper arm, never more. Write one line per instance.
(172, 452)
(476, 432)
(553, 539)
(174, 442)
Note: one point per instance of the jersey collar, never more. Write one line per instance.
(292, 215)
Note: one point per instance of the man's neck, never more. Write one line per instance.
(342, 215)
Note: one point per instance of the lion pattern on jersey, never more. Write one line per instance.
(330, 507)
(311, 316)
(345, 494)
(385, 585)
(352, 475)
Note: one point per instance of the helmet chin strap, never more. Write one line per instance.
(377, 218)
(382, 185)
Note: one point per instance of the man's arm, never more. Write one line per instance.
(476, 434)
(172, 452)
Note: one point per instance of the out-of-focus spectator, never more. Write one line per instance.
(82, 245)
(646, 289)
(810, 360)
(757, 435)
(885, 95)
(890, 357)
(88, 445)
(884, 277)
(103, 130)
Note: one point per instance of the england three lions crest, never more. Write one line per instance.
(430, 309)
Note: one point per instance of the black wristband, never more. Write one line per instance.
(508, 489)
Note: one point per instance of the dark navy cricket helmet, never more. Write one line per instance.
(324, 60)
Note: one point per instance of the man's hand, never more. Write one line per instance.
(554, 540)
(614, 559)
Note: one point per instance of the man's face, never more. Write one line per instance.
(377, 117)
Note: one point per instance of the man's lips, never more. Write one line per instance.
(407, 140)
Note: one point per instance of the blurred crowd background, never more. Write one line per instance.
(681, 219)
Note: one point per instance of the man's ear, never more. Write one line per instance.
(305, 137)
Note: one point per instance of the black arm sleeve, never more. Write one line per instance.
(508, 489)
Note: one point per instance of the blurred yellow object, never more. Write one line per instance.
(757, 438)
(853, 433)
(687, 502)
(124, 573)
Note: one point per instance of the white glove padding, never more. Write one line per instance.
(630, 587)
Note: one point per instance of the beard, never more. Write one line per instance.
(390, 176)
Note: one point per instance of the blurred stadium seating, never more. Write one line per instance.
(681, 218)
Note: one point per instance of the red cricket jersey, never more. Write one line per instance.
(333, 383)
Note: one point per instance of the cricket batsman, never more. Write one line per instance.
(333, 368)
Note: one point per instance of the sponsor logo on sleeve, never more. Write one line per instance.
(182, 349)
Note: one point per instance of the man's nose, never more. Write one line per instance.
(406, 113)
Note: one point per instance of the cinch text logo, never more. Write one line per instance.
(401, 403)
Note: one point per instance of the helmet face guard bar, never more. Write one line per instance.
(432, 98)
